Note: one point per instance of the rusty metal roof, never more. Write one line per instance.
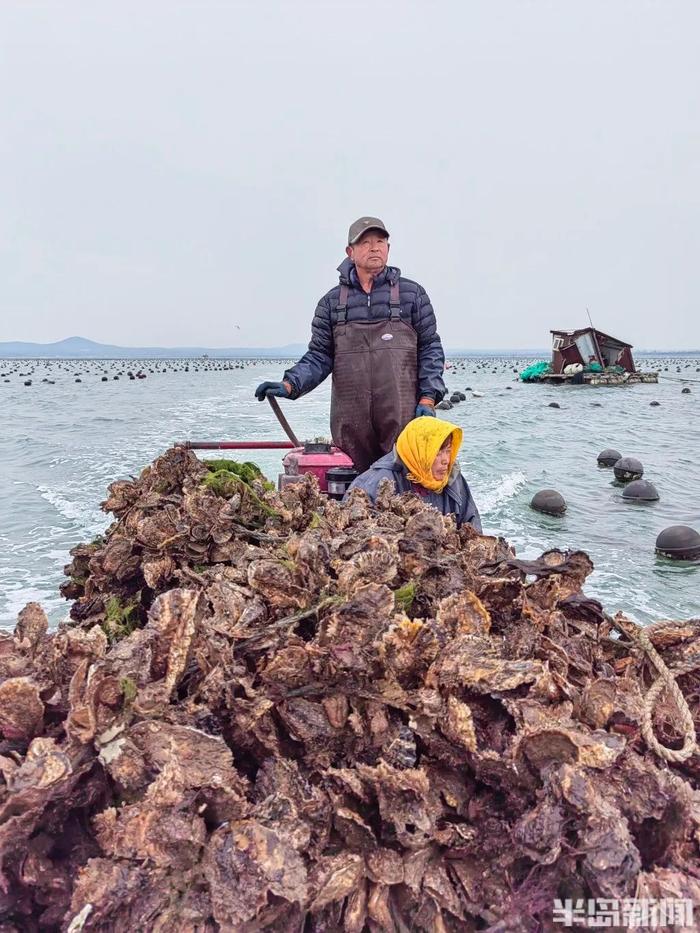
(590, 330)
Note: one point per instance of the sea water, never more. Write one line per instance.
(64, 441)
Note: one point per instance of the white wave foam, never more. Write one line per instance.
(14, 598)
(506, 487)
(87, 519)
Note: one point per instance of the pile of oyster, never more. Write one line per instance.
(272, 711)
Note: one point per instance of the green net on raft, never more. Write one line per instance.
(535, 372)
(594, 368)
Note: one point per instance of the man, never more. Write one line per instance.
(375, 331)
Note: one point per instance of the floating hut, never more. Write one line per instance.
(588, 356)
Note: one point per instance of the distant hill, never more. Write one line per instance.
(81, 348)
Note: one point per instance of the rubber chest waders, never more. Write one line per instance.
(375, 379)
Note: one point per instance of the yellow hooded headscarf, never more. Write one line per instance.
(418, 446)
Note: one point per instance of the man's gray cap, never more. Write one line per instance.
(361, 227)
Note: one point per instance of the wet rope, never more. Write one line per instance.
(666, 680)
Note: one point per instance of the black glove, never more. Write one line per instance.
(271, 388)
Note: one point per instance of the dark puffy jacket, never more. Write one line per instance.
(317, 363)
(455, 499)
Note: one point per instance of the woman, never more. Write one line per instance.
(424, 461)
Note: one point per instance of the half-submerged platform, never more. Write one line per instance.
(598, 379)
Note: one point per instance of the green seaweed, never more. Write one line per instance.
(222, 483)
(129, 689)
(404, 596)
(226, 483)
(247, 471)
(120, 618)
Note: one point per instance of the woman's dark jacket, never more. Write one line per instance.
(455, 499)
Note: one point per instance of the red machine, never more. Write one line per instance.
(333, 468)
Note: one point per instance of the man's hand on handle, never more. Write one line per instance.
(425, 407)
(280, 389)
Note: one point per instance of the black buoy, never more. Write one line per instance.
(680, 542)
(455, 398)
(654, 404)
(685, 391)
(640, 490)
(627, 469)
(554, 405)
(548, 501)
(444, 405)
(609, 457)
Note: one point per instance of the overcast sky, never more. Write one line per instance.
(185, 173)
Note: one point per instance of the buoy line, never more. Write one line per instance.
(680, 379)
